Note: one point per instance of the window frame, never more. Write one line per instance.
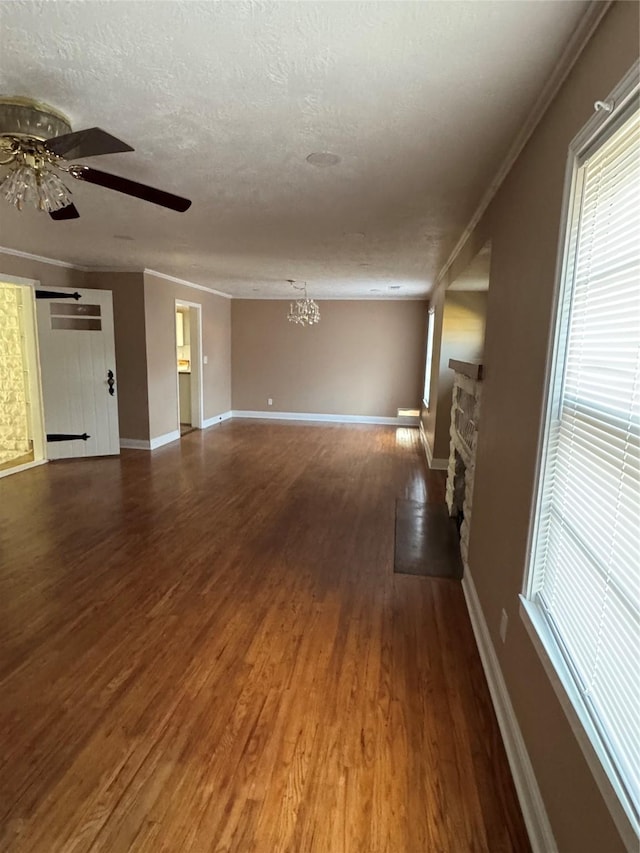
(428, 367)
(624, 99)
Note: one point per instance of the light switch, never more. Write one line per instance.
(205, 359)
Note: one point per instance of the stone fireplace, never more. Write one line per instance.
(465, 417)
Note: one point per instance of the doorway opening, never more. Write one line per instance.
(188, 323)
(22, 442)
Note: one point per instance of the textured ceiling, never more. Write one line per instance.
(223, 102)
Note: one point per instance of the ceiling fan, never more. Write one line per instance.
(36, 143)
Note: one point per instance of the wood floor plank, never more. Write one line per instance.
(206, 649)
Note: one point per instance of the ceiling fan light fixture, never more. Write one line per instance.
(36, 141)
(39, 187)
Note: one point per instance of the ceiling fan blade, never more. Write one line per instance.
(68, 212)
(86, 143)
(124, 185)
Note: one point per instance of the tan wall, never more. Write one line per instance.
(49, 275)
(128, 310)
(523, 223)
(131, 354)
(363, 358)
(160, 295)
(144, 306)
(462, 337)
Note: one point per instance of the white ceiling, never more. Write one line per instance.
(223, 101)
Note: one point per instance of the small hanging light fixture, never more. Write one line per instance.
(305, 311)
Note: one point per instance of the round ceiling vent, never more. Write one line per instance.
(323, 159)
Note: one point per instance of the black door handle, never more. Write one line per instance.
(110, 382)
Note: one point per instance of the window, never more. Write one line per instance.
(427, 370)
(583, 590)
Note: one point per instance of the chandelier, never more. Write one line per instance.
(305, 311)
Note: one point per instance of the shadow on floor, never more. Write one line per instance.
(426, 541)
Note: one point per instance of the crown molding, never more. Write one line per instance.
(335, 298)
(55, 262)
(112, 269)
(58, 263)
(186, 283)
(41, 259)
(568, 58)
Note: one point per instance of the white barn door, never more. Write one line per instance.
(78, 366)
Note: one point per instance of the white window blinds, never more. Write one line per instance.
(586, 556)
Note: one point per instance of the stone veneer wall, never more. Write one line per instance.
(465, 417)
(14, 394)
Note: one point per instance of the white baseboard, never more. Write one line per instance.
(25, 467)
(152, 444)
(134, 444)
(333, 419)
(167, 438)
(216, 419)
(423, 439)
(438, 464)
(531, 803)
(435, 464)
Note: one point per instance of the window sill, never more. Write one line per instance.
(581, 724)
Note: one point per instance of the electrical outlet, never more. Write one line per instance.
(504, 621)
(270, 402)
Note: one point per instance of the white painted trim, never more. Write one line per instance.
(334, 419)
(423, 439)
(58, 263)
(24, 467)
(438, 464)
(34, 372)
(196, 376)
(167, 438)
(187, 283)
(562, 681)
(152, 444)
(18, 279)
(529, 796)
(135, 444)
(42, 260)
(413, 297)
(621, 95)
(576, 44)
(434, 463)
(216, 419)
(112, 269)
(581, 723)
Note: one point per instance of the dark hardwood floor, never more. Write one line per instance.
(206, 649)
